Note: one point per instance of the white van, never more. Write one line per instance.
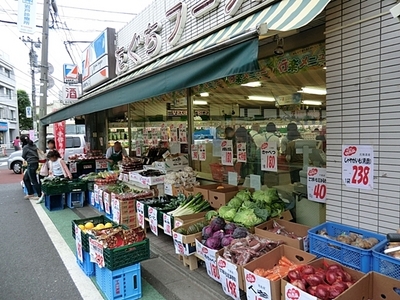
(74, 144)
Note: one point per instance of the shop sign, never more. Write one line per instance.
(59, 134)
(182, 134)
(241, 152)
(269, 157)
(26, 20)
(97, 65)
(289, 99)
(78, 242)
(183, 112)
(71, 74)
(210, 259)
(70, 93)
(101, 164)
(257, 287)
(153, 220)
(227, 153)
(3, 126)
(229, 278)
(96, 252)
(316, 184)
(202, 152)
(358, 166)
(167, 224)
(140, 213)
(195, 152)
(144, 39)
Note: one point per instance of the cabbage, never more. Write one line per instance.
(262, 213)
(235, 202)
(210, 214)
(226, 212)
(265, 198)
(226, 240)
(247, 218)
(240, 232)
(249, 204)
(217, 224)
(206, 232)
(229, 228)
(213, 243)
(244, 195)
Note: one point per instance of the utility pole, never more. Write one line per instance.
(44, 73)
(33, 65)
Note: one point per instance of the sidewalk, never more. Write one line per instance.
(163, 275)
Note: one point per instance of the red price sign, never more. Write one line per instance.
(271, 162)
(269, 157)
(316, 184)
(320, 191)
(214, 271)
(358, 166)
(227, 153)
(229, 278)
(231, 287)
(241, 152)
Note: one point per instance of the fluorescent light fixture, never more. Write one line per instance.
(200, 102)
(205, 94)
(311, 102)
(252, 84)
(261, 98)
(313, 91)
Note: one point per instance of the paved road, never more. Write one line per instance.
(30, 266)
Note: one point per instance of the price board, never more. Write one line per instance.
(140, 213)
(241, 152)
(167, 224)
(106, 198)
(316, 184)
(96, 252)
(101, 164)
(227, 153)
(195, 152)
(269, 157)
(358, 166)
(229, 278)
(153, 220)
(202, 152)
(73, 167)
(210, 260)
(116, 211)
(78, 242)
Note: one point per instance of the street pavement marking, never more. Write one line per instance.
(83, 283)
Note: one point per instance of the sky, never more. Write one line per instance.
(77, 21)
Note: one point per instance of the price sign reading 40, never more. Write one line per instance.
(358, 166)
(316, 184)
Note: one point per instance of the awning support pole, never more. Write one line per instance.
(190, 119)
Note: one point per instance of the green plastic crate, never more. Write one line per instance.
(85, 236)
(55, 190)
(127, 255)
(77, 186)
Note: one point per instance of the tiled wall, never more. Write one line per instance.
(363, 107)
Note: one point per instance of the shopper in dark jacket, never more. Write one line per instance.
(30, 154)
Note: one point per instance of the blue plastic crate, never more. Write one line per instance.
(121, 284)
(87, 267)
(350, 256)
(75, 199)
(385, 264)
(54, 202)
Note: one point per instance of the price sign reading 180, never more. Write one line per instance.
(358, 166)
(316, 184)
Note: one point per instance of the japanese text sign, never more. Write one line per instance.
(182, 134)
(153, 220)
(227, 152)
(241, 152)
(140, 213)
(229, 278)
(202, 152)
(210, 259)
(257, 287)
(195, 152)
(78, 242)
(358, 166)
(294, 293)
(59, 136)
(316, 184)
(167, 224)
(269, 157)
(96, 252)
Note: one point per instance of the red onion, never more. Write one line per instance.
(312, 290)
(322, 292)
(307, 270)
(334, 267)
(293, 275)
(347, 277)
(313, 280)
(331, 276)
(339, 285)
(300, 284)
(321, 275)
(349, 283)
(334, 292)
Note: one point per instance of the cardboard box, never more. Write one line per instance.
(220, 197)
(298, 229)
(286, 215)
(172, 163)
(181, 220)
(186, 244)
(204, 189)
(137, 177)
(253, 283)
(287, 288)
(373, 286)
(229, 272)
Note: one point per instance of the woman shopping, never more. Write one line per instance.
(44, 170)
(57, 166)
(31, 156)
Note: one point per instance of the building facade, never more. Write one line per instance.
(9, 126)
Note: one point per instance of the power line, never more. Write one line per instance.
(38, 26)
(98, 10)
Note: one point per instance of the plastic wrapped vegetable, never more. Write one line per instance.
(227, 213)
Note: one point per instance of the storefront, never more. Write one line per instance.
(210, 67)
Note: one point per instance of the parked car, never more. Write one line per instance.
(75, 144)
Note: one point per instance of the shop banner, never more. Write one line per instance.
(316, 184)
(26, 17)
(96, 252)
(294, 293)
(167, 224)
(210, 259)
(358, 166)
(229, 278)
(202, 152)
(269, 157)
(59, 135)
(227, 153)
(78, 242)
(182, 134)
(138, 148)
(140, 213)
(153, 220)
(257, 287)
(241, 152)
(195, 152)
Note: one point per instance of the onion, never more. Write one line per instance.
(330, 276)
(307, 270)
(334, 292)
(300, 284)
(293, 275)
(321, 275)
(339, 285)
(346, 276)
(313, 280)
(349, 283)
(312, 290)
(334, 267)
(322, 291)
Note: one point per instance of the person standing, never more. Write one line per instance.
(258, 138)
(31, 156)
(17, 143)
(114, 155)
(57, 166)
(44, 170)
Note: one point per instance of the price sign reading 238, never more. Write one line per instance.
(358, 166)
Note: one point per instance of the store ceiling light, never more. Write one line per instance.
(204, 94)
(200, 102)
(261, 98)
(311, 102)
(313, 91)
(252, 84)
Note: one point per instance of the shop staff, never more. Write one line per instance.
(114, 155)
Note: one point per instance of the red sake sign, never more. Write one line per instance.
(59, 137)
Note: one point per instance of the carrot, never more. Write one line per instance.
(259, 272)
(273, 277)
(286, 261)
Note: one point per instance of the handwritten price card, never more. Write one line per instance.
(227, 153)
(167, 224)
(269, 157)
(96, 252)
(202, 152)
(316, 184)
(138, 148)
(241, 152)
(229, 278)
(257, 287)
(153, 220)
(210, 259)
(174, 133)
(140, 213)
(78, 242)
(182, 134)
(358, 166)
(195, 152)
